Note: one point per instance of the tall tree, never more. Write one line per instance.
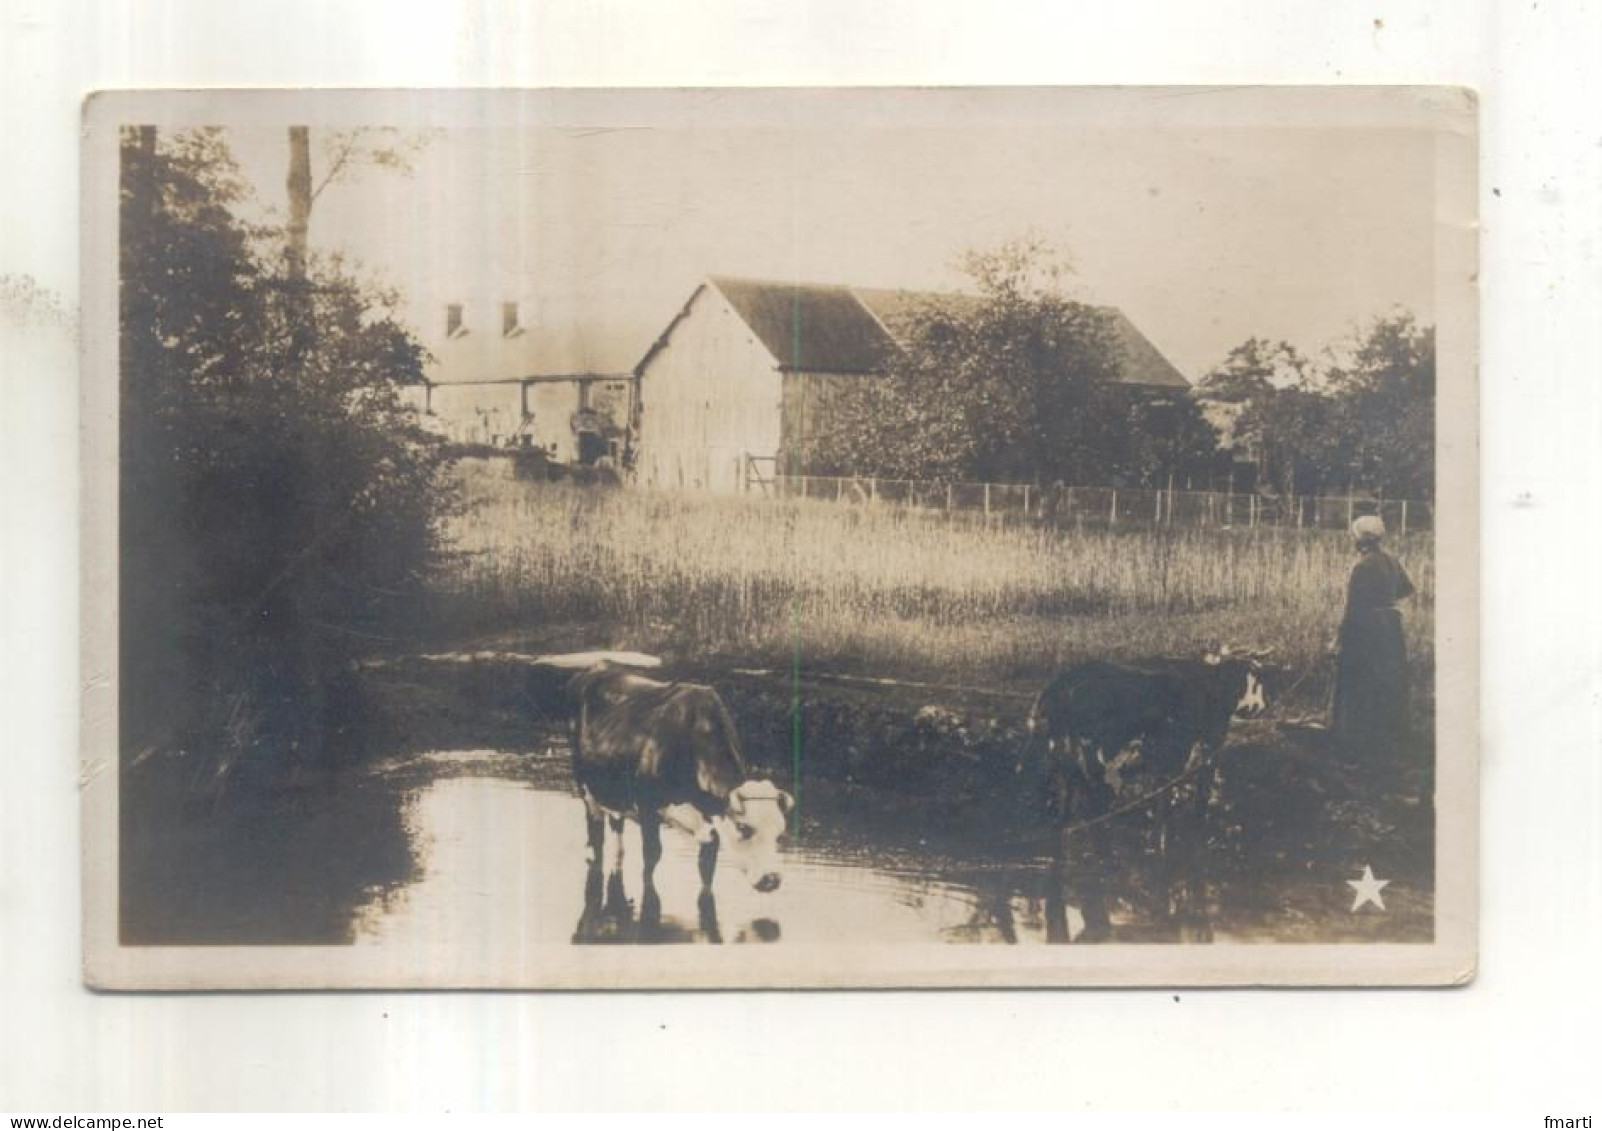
(1387, 393)
(297, 232)
(1016, 382)
(1366, 422)
(278, 498)
(343, 152)
(299, 187)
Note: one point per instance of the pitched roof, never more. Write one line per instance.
(484, 354)
(838, 329)
(1143, 363)
(893, 308)
(806, 326)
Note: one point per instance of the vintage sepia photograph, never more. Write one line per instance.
(780, 538)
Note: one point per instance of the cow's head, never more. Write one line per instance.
(758, 815)
(1244, 670)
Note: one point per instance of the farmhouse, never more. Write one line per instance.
(746, 370)
(559, 388)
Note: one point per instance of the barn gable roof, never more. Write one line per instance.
(894, 308)
(1144, 363)
(821, 328)
(809, 326)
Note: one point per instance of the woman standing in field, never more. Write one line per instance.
(1368, 712)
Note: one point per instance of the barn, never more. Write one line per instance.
(563, 388)
(747, 364)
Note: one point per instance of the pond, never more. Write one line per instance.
(500, 857)
(506, 856)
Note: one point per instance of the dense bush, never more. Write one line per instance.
(1014, 384)
(1364, 422)
(278, 501)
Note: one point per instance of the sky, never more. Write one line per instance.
(1205, 235)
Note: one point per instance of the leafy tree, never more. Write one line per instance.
(1368, 422)
(1300, 441)
(1387, 394)
(343, 152)
(1167, 439)
(278, 499)
(1253, 368)
(1014, 383)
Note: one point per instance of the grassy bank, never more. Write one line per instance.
(888, 592)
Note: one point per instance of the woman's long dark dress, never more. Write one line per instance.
(1368, 712)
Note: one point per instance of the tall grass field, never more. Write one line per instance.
(892, 592)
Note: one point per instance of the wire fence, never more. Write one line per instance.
(1104, 506)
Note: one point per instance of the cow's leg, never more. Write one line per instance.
(1098, 802)
(998, 905)
(1059, 807)
(650, 914)
(707, 905)
(615, 820)
(595, 829)
(616, 903)
(1197, 920)
(651, 850)
(1162, 888)
(1090, 800)
(707, 858)
(651, 842)
(589, 919)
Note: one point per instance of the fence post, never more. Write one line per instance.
(948, 498)
(873, 488)
(1251, 510)
(1404, 517)
(1114, 519)
(987, 500)
(1026, 500)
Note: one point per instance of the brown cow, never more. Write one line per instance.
(651, 750)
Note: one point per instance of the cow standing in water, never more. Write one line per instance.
(659, 751)
(1090, 721)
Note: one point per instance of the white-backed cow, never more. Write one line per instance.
(1096, 720)
(659, 751)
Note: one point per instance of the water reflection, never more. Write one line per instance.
(609, 915)
(504, 861)
(494, 843)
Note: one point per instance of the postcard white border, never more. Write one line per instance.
(1449, 959)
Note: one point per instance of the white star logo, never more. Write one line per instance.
(1367, 889)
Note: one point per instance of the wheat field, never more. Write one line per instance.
(885, 591)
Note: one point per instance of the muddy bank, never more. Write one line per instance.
(945, 749)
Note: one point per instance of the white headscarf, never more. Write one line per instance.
(1369, 528)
